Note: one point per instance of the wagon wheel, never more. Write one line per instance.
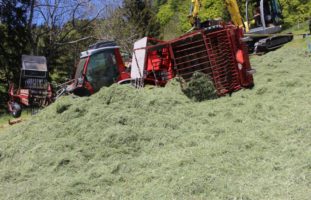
(16, 110)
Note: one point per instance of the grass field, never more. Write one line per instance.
(151, 143)
(5, 117)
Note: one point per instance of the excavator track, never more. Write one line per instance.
(271, 43)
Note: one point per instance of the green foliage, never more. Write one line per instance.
(296, 11)
(140, 13)
(19, 34)
(165, 14)
(210, 9)
(128, 23)
(14, 37)
(3, 97)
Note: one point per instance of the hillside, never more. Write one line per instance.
(155, 143)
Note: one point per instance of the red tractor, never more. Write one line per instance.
(100, 66)
(34, 89)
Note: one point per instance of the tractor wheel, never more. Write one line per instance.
(16, 110)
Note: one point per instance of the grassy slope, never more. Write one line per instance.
(156, 144)
(5, 117)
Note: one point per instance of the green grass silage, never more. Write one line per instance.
(155, 143)
(199, 88)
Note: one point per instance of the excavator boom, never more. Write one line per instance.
(195, 8)
(231, 5)
(235, 14)
(194, 12)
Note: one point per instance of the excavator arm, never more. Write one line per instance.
(195, 8)
(194, 12)
(232, 7)
(235, 14)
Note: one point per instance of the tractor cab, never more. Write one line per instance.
(264, 16)
(100, 66)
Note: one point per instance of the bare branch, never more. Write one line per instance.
(76, 41)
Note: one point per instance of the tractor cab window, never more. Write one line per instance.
(102, 69)
(80, 68)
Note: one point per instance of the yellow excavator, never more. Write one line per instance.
(263, 19)
(234, 11)
(194, 14)
(231, 5)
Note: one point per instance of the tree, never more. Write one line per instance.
(13, 36)
(125, 24)
(296, 11)
(58, 23)
(43, 27)
(176, 11)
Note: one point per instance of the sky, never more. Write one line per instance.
(65, 10)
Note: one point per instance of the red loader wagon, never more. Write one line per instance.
(217, 51)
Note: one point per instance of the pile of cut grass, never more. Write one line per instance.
(155, 143)
(199, 88)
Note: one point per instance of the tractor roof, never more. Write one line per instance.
(98, 47)
(34, 63)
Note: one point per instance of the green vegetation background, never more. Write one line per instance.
(174, 12)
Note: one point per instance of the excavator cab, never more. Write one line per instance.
(264, 19)
(264, 16)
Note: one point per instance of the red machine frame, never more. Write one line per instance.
(217, 51)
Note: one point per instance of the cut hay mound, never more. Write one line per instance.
(155, 143)
(200, 87)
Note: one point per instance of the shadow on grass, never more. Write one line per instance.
(3, 101)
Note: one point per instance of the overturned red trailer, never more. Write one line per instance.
(218, 51)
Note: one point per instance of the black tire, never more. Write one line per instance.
(81, 92)
(16, 110)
